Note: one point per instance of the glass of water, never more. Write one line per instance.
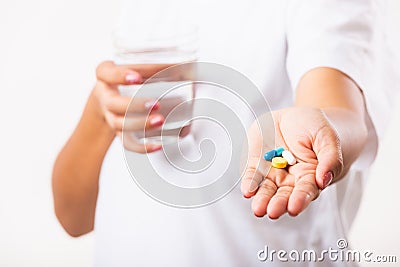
(158, 57)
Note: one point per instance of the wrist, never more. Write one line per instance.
(95, 119)
(351, 131)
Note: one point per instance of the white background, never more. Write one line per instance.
(48, 53)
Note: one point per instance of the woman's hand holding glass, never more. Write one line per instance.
(118, 111)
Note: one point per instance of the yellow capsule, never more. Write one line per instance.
(279, 162)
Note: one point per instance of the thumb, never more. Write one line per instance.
(260, 138)
(329, 155)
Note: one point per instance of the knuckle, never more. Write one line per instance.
(108, 103)
(113, 122)
(138, 105)
(101, 67)
(267, 187)
(311, 191)
(130, 144)
(305, 192)
(285, 191)
(251, 169)
(310, 186)
(117, 125)
(100, 88)
(126, 145)
(249, 173)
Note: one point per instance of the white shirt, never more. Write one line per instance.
(274, 43)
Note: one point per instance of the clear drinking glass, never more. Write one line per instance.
(154, 52)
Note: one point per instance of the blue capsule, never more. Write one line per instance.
(279, 151)
(270, 155)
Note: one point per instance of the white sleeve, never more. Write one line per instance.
(346, 35)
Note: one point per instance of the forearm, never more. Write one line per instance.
(77, 168)
(342, 102)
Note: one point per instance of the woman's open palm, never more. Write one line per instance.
(308, 134)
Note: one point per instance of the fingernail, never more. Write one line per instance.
(152, 105)
(156, 148)
(133, 78)
(153, 148)
(156, 121)
(327, 179)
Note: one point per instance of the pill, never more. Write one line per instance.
(289, 157)
(279, 151)
(270, 155)
(279, 162)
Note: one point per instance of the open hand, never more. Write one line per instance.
(309, 135)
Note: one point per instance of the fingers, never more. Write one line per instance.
(131, 144)
(117, 109)
(113, 74)
(329, 156)
(135, 123)
(254, 174)
(305, 191)
(124, 113)
(256, 168)
(123, 104)
(112, 101)
(148, 70)
(261, 199)
(273, 194)
(278, 204)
